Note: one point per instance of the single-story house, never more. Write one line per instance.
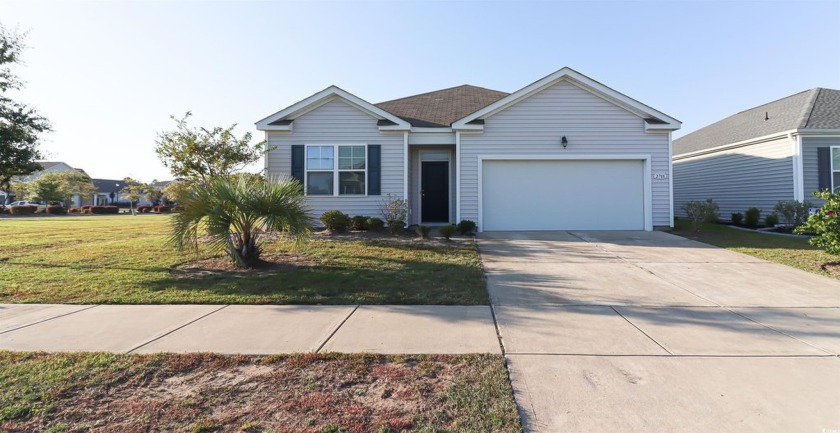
(782, 150)
(46, 167)
(108, 191)
(565, 152)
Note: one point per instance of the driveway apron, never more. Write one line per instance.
(648, 332)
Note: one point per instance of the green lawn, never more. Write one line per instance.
(315, 393)
(127, 260)
(787, 250)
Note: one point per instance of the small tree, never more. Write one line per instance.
(825, 224)
(48, 188)
(701, 212)
(793, 213)
(236, 213)
(133, 190)
(394, 211)
(201, 153)
(76, 183)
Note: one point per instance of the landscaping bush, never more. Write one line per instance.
(104, 210)
(358, 222)
(23, 210)
(56, 210)
(825, 224)
(4, 210)
(423, 231)
(335, 221)
(751, 217)
(394, 208)
(396, 226)
(701, 212)
(771, 220)
(737, 218)
(74, 210)
(792, 212)
(447, 231)
(162, 209)
(374, 224)
(466, 227)
(144, 209)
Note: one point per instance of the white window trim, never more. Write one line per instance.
(335, 170)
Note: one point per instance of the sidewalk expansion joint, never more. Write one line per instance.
(178, 328)
(334, 331)
(48, 319)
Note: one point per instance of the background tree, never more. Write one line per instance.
(75, 183)
(47, 188)
(235, 214)
(133, 190)
(178, 190)
(201, 153)
(20, 125)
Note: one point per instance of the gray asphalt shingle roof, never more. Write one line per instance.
(816, 108)
(442, 107)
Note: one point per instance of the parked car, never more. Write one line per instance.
(27, 203)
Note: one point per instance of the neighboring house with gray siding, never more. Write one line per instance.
(565, 152)
(782, 150)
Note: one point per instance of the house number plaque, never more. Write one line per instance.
(660, 176)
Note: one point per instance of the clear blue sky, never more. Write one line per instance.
(109, 74)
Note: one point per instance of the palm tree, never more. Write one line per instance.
(235, 213)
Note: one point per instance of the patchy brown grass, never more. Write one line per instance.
(293, 393)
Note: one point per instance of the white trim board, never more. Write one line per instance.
(647, 184)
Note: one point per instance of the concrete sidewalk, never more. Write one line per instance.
(248, 329)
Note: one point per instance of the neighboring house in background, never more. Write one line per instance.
(109, 191)
(565, 152)
(48, 167)
(783, 150)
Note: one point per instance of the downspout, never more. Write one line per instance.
(457, 176)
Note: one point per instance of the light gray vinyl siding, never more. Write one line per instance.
(337, 122)
(592, 125)
(414, 181)
(758, 175)
(810, 168)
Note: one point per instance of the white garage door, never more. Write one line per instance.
(563, 195)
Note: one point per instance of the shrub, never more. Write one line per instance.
(447, 231)
(771, 220)
(825, 224)
(56, 210)
(751, 217)
(358, 222)
(144, 209)
(737, 218)
(101, 210)
(4, 209)
(423, 231)
(394, 208)
(23, 210)
(792, 212)
(374, 224)
(396, 226)
(466, 227)
(701, 212)
(162, 209)
(73, 210)
(335, 221)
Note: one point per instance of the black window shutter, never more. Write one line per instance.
(374, 162)
(824, 167)
(298, 162)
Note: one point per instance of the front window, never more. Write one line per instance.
(328, 175)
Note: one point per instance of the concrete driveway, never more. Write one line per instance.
(650, 332)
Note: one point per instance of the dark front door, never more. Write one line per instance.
(434, 192)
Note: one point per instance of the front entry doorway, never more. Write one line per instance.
(434, 191)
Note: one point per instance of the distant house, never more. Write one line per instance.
(110, 191)
(782, 150)
(48, 167)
